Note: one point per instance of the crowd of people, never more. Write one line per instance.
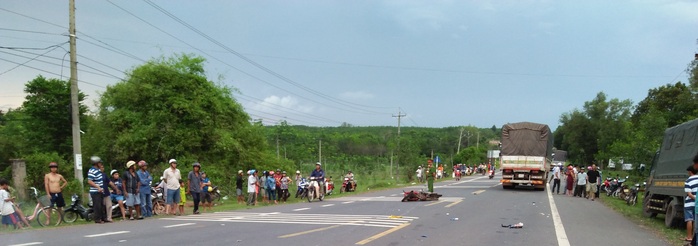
(579, 181)
(272, 187)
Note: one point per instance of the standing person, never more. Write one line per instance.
(238, 187)
(132, 186)
(194, 181)
(277, 179)
(172, 177)
(569, 184)
(117, 195)
(689, 204)
(556, 179)
(440, 171)
(262, 186)
(298, 177)
(95, 179)
(251, 188)
(271, 187)
(206, 200)
(54, 184)
(183, 196)
(431, 173)
(285, 180)
(581, 183)
(7, 210)
(144, 190)
(419, 172)
(593, 178)
(107, 195)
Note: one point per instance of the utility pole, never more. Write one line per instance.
(397, 160)
(459, 139)
(277, 147)
(74, 102)
(319, 157)
(478, 139)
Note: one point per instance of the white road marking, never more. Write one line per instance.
(27, 244)
(107, 234)
(383, 221)
(562, 239)
(178, 225)
(328, 205)
(478, 192)
(301, 209)
(347, 202)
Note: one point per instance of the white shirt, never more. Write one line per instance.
(251, 181)
(172, 178)
(582, 178)
(419, 172)
(5, 207)
(556, 172)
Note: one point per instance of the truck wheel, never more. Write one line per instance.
(670, 218)
(646, 211)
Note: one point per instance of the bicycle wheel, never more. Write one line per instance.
(49, 216)
(70, 216)
(311, 195)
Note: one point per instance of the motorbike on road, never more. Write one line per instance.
(77, 210)
(158, 199)
(302, 190)
(312, 194)
(491, 174)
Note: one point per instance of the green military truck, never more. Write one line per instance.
(665, 185)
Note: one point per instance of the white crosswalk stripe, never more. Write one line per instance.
(387, 221)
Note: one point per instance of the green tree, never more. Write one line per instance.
(47, 108)
(167, 108)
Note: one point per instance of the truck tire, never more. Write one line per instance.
(508, 187)
(670, 218)
(646, 211)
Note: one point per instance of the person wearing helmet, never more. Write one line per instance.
(116, 194)
(132, 184)
(298, 177)
(206, 192)
(172, 177)
(54, 184)
(350, 178)
(319, 176)
(238, 187)
(194, 185)
(144, 189)
(252, 188)
(95, 179)
(263, 186)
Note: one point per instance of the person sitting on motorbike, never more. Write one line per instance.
(116, 195)
(319, 176)
(350, 178)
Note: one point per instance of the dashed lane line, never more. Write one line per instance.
(434, 203)
(178, 225)
(453, 203)
(27, 244)
(478, 192)
(107, 234)
(327, 205)
(309, 231)
(300, 209)
(382, 234)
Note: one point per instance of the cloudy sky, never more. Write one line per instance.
(322, 63)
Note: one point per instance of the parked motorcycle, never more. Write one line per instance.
(329, 186)
(158, 198)
(632, 197)
(302, 190)
(76, 210)
(311, 190)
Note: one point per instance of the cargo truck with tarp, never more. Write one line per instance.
(526, 154)
(665, 185)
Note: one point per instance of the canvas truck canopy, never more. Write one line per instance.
(527, 138)
(679, 147)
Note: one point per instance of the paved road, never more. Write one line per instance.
(470, 213)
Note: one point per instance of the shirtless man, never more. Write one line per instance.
(54, 184)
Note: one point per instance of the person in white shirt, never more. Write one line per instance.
(581, 183)
(252, 188)
(420, 178)
(172, 177)
(556, 179)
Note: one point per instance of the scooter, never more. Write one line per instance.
(302, 190)
(158, 200)
(76, 210)
(632, 197)
(347, 186)
(311, 190)
(329, 186)
(491, 174)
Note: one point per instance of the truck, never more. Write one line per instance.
(526, 154)
(664, 193)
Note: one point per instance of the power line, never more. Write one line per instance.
(100, 72)
(263, 68)
(30, 31)
(30, 59)
(45, 71)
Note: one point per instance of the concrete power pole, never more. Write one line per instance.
(74, 102)
(397, 160)
(459, 139)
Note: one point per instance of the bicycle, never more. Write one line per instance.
(44, 213)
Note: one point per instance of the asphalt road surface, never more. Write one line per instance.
(470, 212)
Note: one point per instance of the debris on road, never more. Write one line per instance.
(514, 226)
(394, 217)
(454, 219)
(412, 196)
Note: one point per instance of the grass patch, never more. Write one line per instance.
(634, 213)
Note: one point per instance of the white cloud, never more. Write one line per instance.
(357, 95)
(274, 104)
